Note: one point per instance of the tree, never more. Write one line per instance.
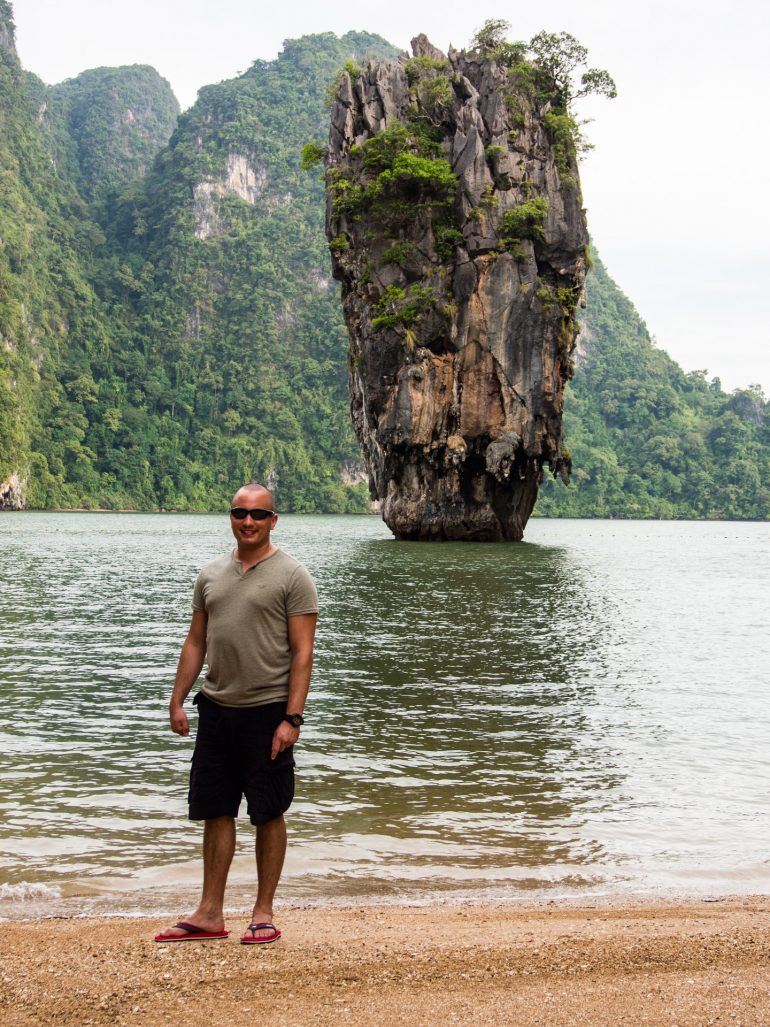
(559, 55)
(491, 35)
(490, 40)
(550, 61)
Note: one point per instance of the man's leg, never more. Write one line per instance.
(271, 850)
(218, 849)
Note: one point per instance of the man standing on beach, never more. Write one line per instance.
(254, 619)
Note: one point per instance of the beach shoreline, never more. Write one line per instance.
(556, 962)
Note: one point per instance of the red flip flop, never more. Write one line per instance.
(192, 933)
(254, 940)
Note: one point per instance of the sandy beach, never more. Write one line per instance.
(685, 963)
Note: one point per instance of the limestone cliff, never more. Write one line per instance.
(12, 493)
(456, 227)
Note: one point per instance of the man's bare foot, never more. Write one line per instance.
(206, 922)
(260, 934)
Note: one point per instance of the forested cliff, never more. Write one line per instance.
(648, 440)
(168, 334)
(169, 325)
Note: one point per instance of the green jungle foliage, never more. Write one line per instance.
(648, 440)
(162, 338)
(216, 350)
(52, 323)
(237, 349)
(107, 125)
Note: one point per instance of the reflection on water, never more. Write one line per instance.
(548, 715)
(453, 710)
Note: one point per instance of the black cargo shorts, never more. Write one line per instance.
(232, 759)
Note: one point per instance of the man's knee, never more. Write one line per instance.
(273, 824)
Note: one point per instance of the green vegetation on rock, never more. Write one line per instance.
(407, 174)
(524, 222)
(547, 70)
(403, 306)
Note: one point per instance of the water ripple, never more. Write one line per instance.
(588, 709)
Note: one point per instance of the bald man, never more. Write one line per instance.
(254, 619)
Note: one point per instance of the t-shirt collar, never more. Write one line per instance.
(239, 563)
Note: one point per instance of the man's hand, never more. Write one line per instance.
(285, 735)
(180, 725)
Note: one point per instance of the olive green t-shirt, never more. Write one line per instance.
(247, 630)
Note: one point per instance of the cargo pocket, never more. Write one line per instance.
(270, 794)
(283, 759)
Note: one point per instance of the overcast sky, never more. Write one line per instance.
(676, 188)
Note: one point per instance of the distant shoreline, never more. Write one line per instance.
(197, 513)
(326, 513)
(589, 965)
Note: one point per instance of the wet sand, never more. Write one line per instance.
(687, 963)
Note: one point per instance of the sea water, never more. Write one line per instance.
(585, 713)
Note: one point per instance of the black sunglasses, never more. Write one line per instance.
(240, 513)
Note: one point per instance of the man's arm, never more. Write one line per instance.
(190, 663)
(301, 636)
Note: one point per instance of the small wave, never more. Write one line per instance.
(27, 892)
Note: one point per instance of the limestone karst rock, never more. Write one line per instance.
(456, 227)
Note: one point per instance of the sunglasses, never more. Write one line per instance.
(240, 513)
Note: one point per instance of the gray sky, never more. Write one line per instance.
(676, 188)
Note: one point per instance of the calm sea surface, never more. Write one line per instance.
(585, 713)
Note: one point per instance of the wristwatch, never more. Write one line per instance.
(295, 719)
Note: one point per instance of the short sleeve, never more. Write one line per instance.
(198, 601)
(301, 596)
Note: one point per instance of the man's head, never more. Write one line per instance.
(252, 529)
